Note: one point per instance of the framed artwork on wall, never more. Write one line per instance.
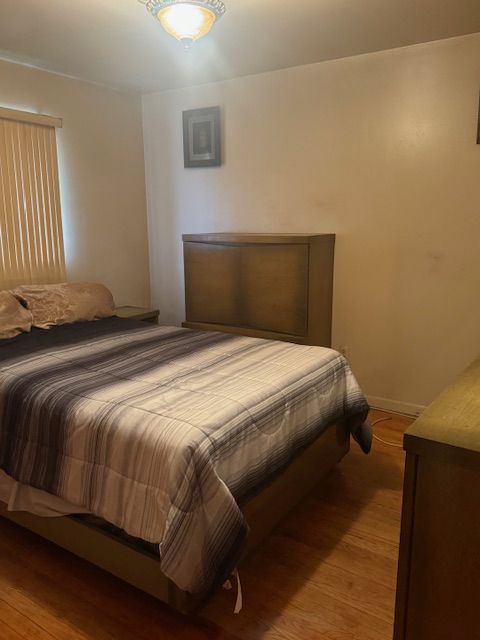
(201, 137)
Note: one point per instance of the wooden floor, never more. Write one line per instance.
(328, 573)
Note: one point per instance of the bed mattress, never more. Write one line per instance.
(161, 430)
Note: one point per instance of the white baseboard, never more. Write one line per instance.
(395, 405)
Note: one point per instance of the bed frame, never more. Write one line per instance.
(141, 568)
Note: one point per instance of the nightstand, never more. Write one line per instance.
(138, 313)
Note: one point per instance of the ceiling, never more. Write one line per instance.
(116, 42)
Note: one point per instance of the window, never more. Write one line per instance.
(31, 239)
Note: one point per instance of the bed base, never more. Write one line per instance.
(141, 569)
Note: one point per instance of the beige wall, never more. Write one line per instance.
(101, 175)
(379, 149)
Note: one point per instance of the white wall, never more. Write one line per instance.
(102, 178)
(379, 149)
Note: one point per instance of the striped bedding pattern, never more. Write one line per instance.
(161, 430)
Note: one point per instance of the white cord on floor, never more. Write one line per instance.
(228, 586)
(390, 444)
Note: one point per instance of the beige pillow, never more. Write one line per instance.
(89, 301)
(54, 304)
(13, 317)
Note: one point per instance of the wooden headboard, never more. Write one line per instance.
(264, 285)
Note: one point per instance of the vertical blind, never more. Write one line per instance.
(31, 239)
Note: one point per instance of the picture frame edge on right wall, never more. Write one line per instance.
(478, 121)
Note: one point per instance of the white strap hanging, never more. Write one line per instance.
(239, 603)
(228, 586)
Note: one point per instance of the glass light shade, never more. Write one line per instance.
(186, 22)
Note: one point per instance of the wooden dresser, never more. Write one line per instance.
(263, 285)
(438, 584)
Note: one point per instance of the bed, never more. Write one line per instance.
(158, 451)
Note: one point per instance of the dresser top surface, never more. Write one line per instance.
(256, 238)
(453, 419)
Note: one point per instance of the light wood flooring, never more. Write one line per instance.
(327, 573)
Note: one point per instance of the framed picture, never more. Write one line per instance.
(201, 137)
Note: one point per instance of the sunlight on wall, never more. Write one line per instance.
(65, 200)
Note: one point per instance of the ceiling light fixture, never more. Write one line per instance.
(186, 20)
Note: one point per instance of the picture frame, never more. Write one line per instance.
(202, 137)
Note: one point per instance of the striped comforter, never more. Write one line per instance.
(161, 430)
